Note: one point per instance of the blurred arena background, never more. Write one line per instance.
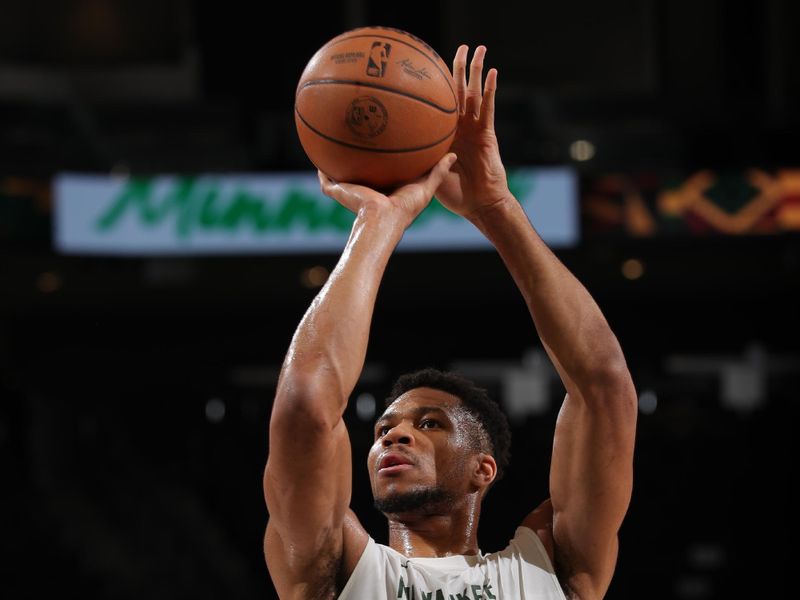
(135, 387)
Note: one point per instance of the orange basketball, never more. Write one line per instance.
(376, 106)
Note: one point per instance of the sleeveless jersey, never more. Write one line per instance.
(520, 572)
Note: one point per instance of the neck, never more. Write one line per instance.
(438, 531)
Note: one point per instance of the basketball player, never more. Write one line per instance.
(441, 444)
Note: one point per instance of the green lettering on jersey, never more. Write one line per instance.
(477, 593)
(402, 588)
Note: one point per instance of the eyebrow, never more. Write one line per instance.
(417, 411)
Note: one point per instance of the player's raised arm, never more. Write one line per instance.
(591, 471)
(307, 480)
(592, 464)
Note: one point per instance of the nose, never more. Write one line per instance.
(399, 434)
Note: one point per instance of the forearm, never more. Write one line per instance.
(566, 317)
(328, 349)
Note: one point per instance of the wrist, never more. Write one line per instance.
(389, 219)
(499, 210)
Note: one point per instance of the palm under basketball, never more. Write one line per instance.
(376, 106)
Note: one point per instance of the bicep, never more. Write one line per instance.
(591, 475)
(307, 483)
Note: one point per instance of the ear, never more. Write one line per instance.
(484, 472)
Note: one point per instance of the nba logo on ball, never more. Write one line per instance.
(376, 106)
(378, 58)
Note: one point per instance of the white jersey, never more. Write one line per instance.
(520, 572)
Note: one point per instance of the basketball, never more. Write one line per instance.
(376, 106)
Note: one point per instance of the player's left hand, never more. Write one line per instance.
(478, 179)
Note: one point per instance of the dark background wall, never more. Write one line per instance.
(135, 393)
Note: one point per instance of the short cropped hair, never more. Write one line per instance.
(475, 401)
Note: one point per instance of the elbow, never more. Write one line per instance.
(614, 373)
(305, 403)
(612, 387)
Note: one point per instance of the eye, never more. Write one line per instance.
(382, 430)
(429, 424)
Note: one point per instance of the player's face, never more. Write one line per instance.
(421, 449)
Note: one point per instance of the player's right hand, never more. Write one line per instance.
(404, 203)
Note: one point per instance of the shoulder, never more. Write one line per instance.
(528, 560)
(326, 573)
(540, 521)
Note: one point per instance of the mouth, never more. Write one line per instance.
(393, 463)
